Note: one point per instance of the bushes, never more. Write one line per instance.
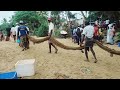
(42, 30)
(57, 33)
(117, 37)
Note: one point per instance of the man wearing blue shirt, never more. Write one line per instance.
(22, 33)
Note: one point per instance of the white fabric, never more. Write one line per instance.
(107, 21)
(16, 29)
(108, 36)
(96, 22)
(81, 29)
(88, 31)
(27, 28)
(13, 31)
(74, 31)
(110, 26)
(51, 27)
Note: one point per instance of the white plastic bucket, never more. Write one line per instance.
(25, 67)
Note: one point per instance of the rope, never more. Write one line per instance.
(59, 44)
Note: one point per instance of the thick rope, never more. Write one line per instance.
(38, 40)
(111, 51)
(59, 44)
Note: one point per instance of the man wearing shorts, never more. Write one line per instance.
(88, 33)
(50, 33)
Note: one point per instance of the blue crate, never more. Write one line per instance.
(8, 75)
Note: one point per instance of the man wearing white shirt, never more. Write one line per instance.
(88, 33)
(16, 28)
(13, 31)
(51, 33)
(107, 23)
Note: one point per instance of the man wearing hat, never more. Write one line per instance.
(22, 33)
(50, 33)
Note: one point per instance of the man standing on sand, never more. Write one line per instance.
(8, 33)
(50, 33)
(16, 28)
(13, 32)
(88, 33)
(22, 33)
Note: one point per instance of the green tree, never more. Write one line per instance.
(112, 15)
(56, 18)
(36, 22)
(30, 17)
(4, 25)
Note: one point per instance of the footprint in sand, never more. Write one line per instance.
(86, 70)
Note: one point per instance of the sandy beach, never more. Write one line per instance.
(66, 64)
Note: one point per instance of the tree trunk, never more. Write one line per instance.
(86, 13)
(83, 15)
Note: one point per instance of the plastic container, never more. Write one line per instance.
(118, 44)
(25, 67)
(18, 40)
(8, 75)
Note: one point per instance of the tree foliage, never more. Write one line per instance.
(4, 25)
(112, 15)
(56, 18)
(36, 21)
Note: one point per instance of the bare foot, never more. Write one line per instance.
(82, 51)
(111, 54)
(95, 61)
(28, 47)
(56, 50)
(49, 52)
(87, 60)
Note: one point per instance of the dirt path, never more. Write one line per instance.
(66, 64)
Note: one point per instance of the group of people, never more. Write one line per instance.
(78, 31)
(18, 33)
(110, 28)
(85, 34)
(77, 34)
(9, 32)
(82, 35)
(89, 32)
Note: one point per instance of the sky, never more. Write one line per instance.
(8, 15)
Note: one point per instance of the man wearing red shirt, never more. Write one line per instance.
(96, 32)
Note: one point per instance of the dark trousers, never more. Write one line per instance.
(14, 37)
(75, 38)
(78, 39)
